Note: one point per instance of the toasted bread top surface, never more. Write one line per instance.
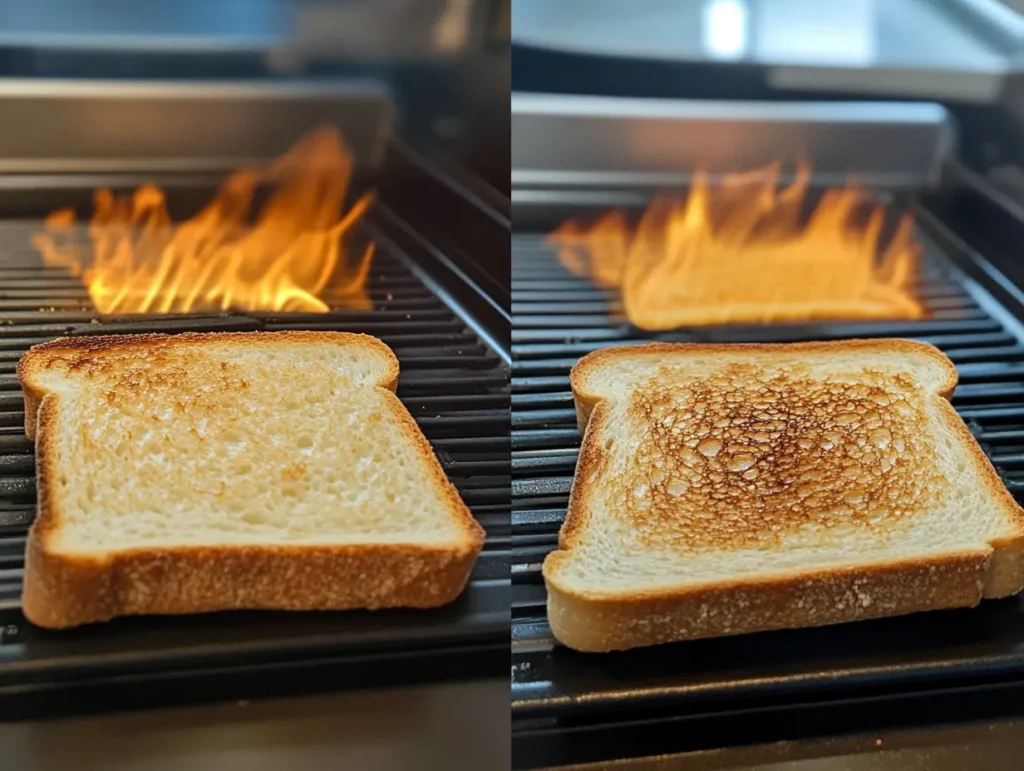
(710, 463)
(234, 439)
(741, 455)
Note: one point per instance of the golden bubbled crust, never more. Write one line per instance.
(128, 377)
(746, 455)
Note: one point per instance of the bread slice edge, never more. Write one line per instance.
(809, 599)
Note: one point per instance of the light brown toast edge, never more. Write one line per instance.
(29, 365)
(64, 590)
(604, 622)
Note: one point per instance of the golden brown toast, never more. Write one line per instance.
(724, 489)
(188, 473)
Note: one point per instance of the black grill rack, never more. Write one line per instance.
(455, 385)
(577, 707)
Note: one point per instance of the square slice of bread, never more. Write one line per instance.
(724, 489)
(201, 472)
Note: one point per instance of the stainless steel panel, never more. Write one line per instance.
(383, 29)
(378, 29)
(560, 141)
(100, 126)
(914, 49)
(128, 25)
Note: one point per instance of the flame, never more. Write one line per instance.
(139, 261)
(741, 252)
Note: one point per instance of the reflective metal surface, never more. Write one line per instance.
(96, 126)
(915, 48)
(559, 140)
(378, 29)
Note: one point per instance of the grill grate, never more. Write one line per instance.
(454, 385)
(557, 318)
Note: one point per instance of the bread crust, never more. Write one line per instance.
(600, 624)
(64, 589)
(596, 621)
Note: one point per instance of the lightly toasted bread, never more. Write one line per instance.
(201, 472)
(725, 489)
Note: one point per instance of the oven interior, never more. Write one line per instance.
(570, 707)
(428, 300)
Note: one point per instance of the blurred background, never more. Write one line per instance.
(962, 53)
(444, 62)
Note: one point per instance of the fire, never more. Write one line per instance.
(138, 261)
(742, 252)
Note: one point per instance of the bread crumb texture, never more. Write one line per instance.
(208, 441)
(747, 454)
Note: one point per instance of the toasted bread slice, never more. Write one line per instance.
(188, 473)
(724, 489)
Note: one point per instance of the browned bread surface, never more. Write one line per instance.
(232, 431)
(815, 471)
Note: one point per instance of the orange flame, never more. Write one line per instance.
(138, 261)
(739, 252)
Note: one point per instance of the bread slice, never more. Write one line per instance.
(724, 489)
(202, 472)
